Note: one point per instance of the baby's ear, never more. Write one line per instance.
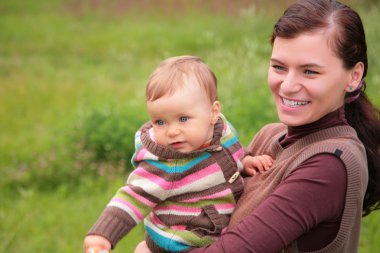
(215, 112)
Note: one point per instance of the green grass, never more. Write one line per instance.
(59, 65)
(56, 221)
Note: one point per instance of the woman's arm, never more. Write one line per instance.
(312, 194)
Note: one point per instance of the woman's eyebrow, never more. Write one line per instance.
(275, 60)
(307, 65)
(312, 65)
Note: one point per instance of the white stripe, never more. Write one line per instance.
(226, 211)
(150, 156)
(126, 209)
(160, 212)
(227, 131)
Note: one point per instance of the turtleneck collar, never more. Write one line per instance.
(335, 118)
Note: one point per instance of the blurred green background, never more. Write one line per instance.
(72, 79)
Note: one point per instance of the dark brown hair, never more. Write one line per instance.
(347, 40)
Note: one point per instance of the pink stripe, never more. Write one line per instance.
(155, 219)
(130, 206)
(213, 196)
(180, 183)
(138, 197)
(151, 134)
(178, 227)
(238, 154)
(178, 208)
(140, 155)
(224, 206)
(193, 209)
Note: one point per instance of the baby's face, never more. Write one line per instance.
(184, 120)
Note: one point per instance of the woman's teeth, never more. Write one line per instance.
(293, 103)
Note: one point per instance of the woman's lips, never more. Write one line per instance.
(294, 103)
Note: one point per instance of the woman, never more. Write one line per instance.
(326, 173)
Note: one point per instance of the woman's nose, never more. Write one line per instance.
(291, 83)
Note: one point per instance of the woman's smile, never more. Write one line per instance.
(294, 103)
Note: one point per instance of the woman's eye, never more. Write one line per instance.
(183, 119)
(310, 72)
(160, 122)
(278, 67)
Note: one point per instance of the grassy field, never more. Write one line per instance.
(72, 78)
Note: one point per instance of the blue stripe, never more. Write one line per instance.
(138, 145)
(230, 142)
(166, 243)
(178, 168)
(138, 142)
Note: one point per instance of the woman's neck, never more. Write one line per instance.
(335, 118)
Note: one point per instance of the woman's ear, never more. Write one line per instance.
(356, 77)
(215, 111)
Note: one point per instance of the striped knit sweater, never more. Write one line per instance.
(185, 198)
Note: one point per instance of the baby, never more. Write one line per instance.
(187, 163)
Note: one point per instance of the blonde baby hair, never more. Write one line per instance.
(172, 73)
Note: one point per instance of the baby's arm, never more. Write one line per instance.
(126, 209)
(254, 164)
(97, 243)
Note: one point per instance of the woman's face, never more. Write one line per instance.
(306, 78)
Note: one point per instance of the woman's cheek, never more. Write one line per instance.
(273, 80)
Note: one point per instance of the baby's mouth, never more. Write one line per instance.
(176, 144)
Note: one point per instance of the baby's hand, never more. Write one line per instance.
(96, 244)
(254, 164)
(97, 250)
(142, 248)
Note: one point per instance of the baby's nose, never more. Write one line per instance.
(173, 131)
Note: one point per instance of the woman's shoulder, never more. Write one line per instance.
(272, 128)
(268, 133)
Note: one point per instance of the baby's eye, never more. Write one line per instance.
(183, 119)
(159, 122)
